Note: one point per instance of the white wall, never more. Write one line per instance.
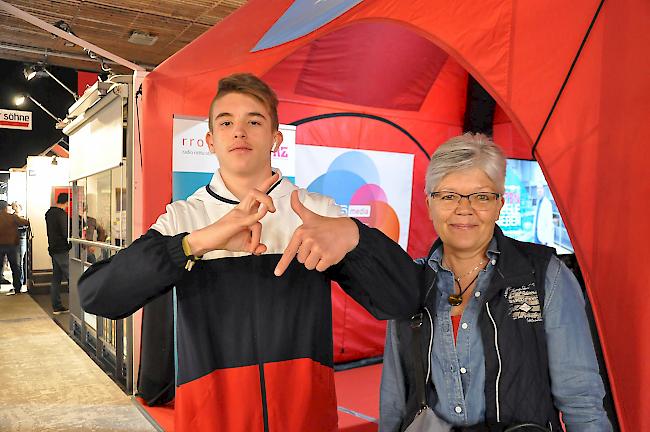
(41, 177)
(18, 188)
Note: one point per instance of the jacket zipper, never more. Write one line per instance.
(265, 410)
(260, 363)
(496, 346)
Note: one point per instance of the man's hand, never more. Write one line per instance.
(240, 229)
(320, 242)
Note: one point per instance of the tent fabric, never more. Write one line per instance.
(520, 52)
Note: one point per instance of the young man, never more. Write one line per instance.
(57, 221)
(254, 349)
(9, 242)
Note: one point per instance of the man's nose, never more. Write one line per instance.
(239, 131)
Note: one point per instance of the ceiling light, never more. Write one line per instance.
(39, 70)
(34, 71)
(20, 99)
(142, 38)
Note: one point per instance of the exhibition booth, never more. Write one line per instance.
(373, 87)
(368, 89)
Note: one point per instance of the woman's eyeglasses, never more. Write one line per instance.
(451, 200)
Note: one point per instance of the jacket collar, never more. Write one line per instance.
(217, 192)
(512, 263)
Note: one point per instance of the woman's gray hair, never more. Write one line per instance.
(465, 152)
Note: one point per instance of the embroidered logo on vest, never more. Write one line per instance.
(524, 303)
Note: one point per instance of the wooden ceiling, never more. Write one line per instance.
(108, 24)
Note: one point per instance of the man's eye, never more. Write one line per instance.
(448, 197)
(255, 123)
(226, 123)
(482, 197)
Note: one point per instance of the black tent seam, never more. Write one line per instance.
(368, 116)
(566, 79)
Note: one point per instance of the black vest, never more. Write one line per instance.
(517, 363)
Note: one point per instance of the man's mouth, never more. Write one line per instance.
(240, 148)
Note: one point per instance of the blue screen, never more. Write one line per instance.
(530, 213)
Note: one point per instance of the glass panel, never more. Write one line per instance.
(98, 214)
(119, 197)
(78, 214)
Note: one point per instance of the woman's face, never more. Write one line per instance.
(462, 228)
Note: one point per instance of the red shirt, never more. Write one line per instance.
(455, 322)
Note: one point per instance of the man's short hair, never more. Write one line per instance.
(3, 204)
(62, 198)
(248, 84)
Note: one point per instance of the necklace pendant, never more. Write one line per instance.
(455, 299)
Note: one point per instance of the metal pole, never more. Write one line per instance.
(62, 85)
(44, 109)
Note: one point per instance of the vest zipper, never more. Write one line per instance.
(496, 346)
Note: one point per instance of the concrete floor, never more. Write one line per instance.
(48, 383)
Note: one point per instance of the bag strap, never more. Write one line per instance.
(416, 348)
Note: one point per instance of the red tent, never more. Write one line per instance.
(570, 79)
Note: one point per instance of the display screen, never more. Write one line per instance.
(530, 213)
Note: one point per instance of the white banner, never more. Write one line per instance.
(11, 119)
(96, 145)
(193, 164)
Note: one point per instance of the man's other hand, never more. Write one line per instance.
(320, 242)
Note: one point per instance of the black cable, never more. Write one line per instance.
(566, 79)
(362, 115)
(137, 115)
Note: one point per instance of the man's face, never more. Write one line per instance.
(242, 137)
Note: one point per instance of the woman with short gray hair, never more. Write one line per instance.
(467, 151)
(505, 340)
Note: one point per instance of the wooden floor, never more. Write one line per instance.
(47, 383)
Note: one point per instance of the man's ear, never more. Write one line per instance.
(277, 140)
(210, 140)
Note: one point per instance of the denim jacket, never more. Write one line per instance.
(458, 369)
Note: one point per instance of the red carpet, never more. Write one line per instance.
(357, 392)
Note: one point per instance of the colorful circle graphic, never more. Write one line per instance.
(352, 180)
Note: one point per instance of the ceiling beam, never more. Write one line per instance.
(67, 36)
(61, 54)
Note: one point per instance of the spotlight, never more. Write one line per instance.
(20, 99)
(54, 161)
(34, 71)
(39, 70)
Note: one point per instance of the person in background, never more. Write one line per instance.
(544, 218)
(57, 222)
(506, 339)
(9, 242)
(22, 244)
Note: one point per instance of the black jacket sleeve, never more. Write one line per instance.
(380, 276)
(117, 287)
